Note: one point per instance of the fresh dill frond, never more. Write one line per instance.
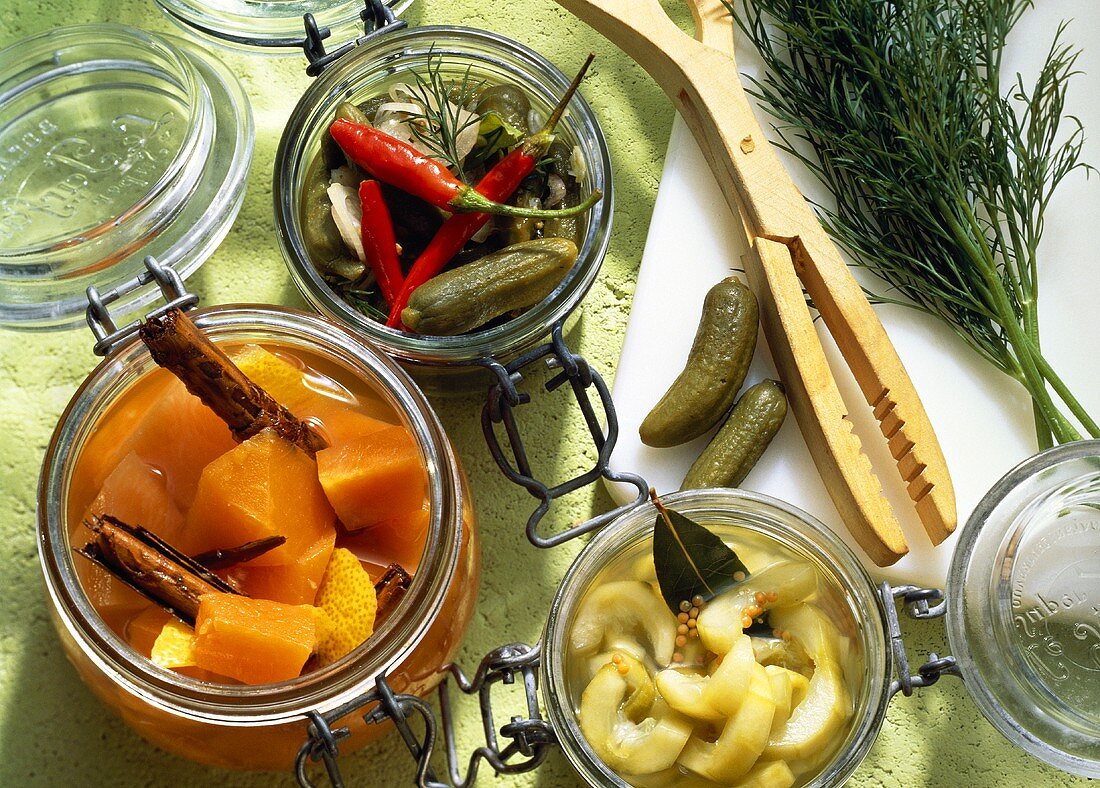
(360, 299)
(941, 175)
(446, 110)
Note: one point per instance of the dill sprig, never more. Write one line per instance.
(446, 112)
(941, 175)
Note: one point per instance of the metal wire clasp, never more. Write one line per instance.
(377, 18)
(531, 736)
(103, 325)
(504, 397)
(920, 603)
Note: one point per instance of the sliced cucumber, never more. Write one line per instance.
(720, 620)
(769, 774)
(742, 740)
(625, 746)
(619, 612)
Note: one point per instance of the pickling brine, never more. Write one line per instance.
(751, 688)
(297, 558)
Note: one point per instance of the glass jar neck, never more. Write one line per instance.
(322, 689)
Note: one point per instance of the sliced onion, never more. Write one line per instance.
(578, 167)
(344, 176)
(347, 213)
(557, 190)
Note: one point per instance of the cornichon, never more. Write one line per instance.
(464, 298)
(715, 369)
(755, 420)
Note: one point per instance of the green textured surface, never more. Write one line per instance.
(53, 732)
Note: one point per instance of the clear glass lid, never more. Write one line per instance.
(115, 143)
(1024, 606)
(272, 26)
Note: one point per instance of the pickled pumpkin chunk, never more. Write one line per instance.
(179, 436)
(254, 641)
(295, 583)
(397, 540)
(136, 493)
(263, 487)
(373, 479)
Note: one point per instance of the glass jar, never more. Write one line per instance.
(360, 74)
(118, 144)
(847, 587)
(266, 27)
(262, 727)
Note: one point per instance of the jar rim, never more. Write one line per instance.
(541, 78)
(130, 143)
(322, 689)
(777, 520)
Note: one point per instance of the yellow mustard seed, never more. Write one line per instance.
(682, 618)
(681, 641)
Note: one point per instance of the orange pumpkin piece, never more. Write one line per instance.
(293, 584)
(373, 479)
(135, 493)
(179, 436)
(264, 487)
(255, 641)
(142, 630)
(340, 424)
(397, 540)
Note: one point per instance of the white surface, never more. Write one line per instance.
(983, 419)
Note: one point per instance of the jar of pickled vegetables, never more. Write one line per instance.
(381, 83)
(699, 717)
(135, 445)
(784, 680)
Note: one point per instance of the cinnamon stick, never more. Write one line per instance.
(151, 566)
(225, 557)
(389, 590)
(180, 347)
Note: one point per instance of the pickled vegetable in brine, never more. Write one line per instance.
(296, 540)
(751, 688)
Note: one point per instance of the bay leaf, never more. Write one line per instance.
(690, 560)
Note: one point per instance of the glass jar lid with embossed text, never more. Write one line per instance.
(115, 144)
(1023, 606)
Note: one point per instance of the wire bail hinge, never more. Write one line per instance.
(377, 18)
(504, 397)
(530, 737)
(920, 604)
(103, 325)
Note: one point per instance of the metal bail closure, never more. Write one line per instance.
(504, 397)
(377, 18)
(103, 325)
(920, 603)
(531, 737)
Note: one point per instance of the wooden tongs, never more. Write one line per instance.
(790, 251)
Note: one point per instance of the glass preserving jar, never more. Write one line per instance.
(847, 591)
(262, 727)
(361, 73)
(118, 143)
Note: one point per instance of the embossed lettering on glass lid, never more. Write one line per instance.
(1024, 616)
(114, 144)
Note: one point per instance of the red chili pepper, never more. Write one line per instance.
(498, 184)
(379, 245)
(399, 164)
